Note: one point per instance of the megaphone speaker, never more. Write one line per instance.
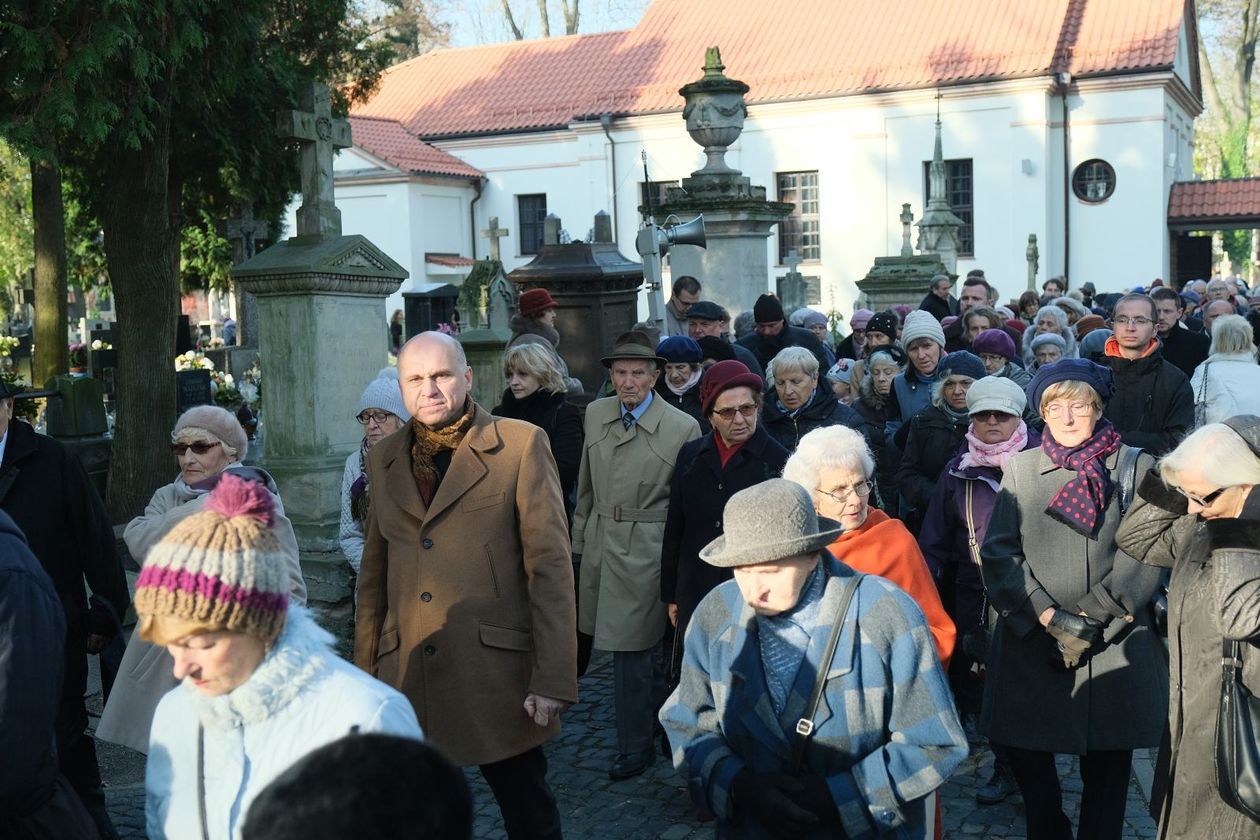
(688, 233)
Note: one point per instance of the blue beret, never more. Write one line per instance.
(962, 363)
(1069, 370)
(679, 348)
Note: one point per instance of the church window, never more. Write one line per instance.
(800, 231)
(958, 191)
(1094, 181)
(532, 212)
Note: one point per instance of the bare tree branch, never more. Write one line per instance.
(544, 18)
(571, 12)
(511, 21)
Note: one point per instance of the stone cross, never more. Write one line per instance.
(244, 232)
(907, 250)
(494, 234)
(791, 286)
(1032, 254)
(319, 136)
(792, 260)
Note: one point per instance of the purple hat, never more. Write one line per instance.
(861, 317)
(996, 342)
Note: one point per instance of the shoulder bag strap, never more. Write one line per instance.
(201, 783)
(1128, 476)
(805, 726)
(972, 545)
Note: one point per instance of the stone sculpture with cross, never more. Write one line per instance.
(319, 136)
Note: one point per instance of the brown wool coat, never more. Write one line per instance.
(467, 606)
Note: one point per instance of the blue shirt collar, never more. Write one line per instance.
(639, 410)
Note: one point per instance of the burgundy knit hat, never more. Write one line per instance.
(533, 302)
(722, 377)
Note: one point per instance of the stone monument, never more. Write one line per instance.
(792, 285)
(322, 337)
(938, 229)
(904, 278)
(737, 216)
(1033, 255)
(245, 232)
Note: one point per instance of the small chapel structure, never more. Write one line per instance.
(1068, 120)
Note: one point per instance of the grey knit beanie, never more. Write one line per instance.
(384, 393)
(921, 324)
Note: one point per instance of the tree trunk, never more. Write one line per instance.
(571, 12)
(142, 251)
(51, 350)
(511, 22)
(544, 18)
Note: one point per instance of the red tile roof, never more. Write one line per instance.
(392, 143)
(1236, 199)
(785, 50)
(449, 261)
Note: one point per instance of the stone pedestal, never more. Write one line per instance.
(894, 280)
(321, 340)
(484, 350)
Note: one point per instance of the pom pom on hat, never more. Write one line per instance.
(234, 496)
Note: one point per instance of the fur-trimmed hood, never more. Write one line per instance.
(522, 325)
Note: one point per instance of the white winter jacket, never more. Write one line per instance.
(301, 697)
(1233, 385)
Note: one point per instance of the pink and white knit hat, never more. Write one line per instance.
(222, 567)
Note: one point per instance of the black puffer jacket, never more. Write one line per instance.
(823, 410)
(934, 438)
(1151, 405)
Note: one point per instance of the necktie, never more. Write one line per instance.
(628, 420)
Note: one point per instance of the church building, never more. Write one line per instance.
(1068, 119)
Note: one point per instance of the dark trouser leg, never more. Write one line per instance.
(1038, 782)
(1104, 793)
(520, 787)
(76, 751)
(636, 701)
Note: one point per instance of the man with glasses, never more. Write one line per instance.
(1151, 406)
(1183, 348)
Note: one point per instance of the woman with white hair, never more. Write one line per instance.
(798, 404)
(208, 443)
(1197, 515)
(836, 467)
(1227, 383)
(1051, 320)
(874, 405)
(1073, 308)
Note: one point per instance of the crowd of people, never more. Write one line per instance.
(826, 569)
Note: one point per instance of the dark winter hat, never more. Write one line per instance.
(996, 342)
(712, 347)
(680, 348)
(724, 376)
(1069, 370)
(767, 310)
(534, 302)
(1088, 324)
(632, 345)
(705, 310)
(883, 322)
(1192, 297)
(962, 363)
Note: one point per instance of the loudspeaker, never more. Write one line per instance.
(688, 233)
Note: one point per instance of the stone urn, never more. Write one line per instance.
(715, 112)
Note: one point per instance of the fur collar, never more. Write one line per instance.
(523, 325)
(297, 661)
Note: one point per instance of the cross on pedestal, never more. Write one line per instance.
(319, 136)
(792, 260)
(244, 231)
(907, 250)
(494, 234)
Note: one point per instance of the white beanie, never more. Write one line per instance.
(921, 324)
(384, 393)
(996, 393)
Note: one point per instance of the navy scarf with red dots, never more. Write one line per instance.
(1082, 501)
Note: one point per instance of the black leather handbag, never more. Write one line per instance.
(1237, 730)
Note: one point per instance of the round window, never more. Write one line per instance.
(1094, 181)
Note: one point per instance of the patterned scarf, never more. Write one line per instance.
(429, 442)
(1082, 501)
(359, 489)
(981, 454)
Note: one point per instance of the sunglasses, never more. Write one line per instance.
(1206, 500)
(201, 447)
(991, 416)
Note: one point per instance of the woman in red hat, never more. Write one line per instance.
(535, 323)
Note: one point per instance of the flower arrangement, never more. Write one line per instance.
(8, 343)
(250, 387)
(24, 409)
(193, 360)
(97, 344)
(78, 356)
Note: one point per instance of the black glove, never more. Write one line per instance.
(975, 645)
(816, 798)
(769, 799)
(1075, 636)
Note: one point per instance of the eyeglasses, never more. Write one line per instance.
(377, 417)
(991, 417)
(1205, 501)
(1078, 409)
(839, 494)
(200, 447)
(993, 359)
(1125, 320)
(728, 414)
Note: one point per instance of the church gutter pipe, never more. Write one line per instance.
(605, 122)
(1065, 81)
(472, 215)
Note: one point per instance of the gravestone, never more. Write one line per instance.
(320, 296)
(429, 305)
(192, 388)
(245, 233)
(791, 286)
(501, 305)
(899, 278)
(78, 409)
(938, 229)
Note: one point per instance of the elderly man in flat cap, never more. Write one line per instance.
(632, 442)
(812, 702)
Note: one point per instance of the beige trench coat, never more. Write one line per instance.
(147, 672)
(619, 525)
(466, 606)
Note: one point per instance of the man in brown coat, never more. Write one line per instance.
(465, 600)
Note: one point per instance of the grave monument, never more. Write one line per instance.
(484, 346)
(322, 338)
(904, 278)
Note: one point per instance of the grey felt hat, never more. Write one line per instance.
(770, 521)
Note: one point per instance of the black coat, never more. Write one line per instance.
(1151, 405)
(824, 410)
(875, 413)
(1184, 349)
(699, 491)
(939, 309)
(766, 348)
(563, 424)
(30, 675)
(688, 403)
(934, 438)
